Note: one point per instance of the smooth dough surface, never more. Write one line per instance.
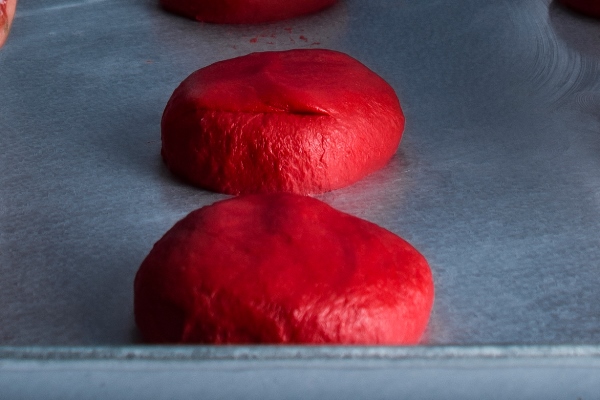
(281, 268)
(243, 11)
(7, 13)
(299, 121)
(590, 7)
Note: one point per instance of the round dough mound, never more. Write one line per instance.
(244, 11)
(590, 7)
(281, 268)
(299, 121)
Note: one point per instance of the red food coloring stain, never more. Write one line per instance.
(288, 30)
(254, 40)
(315, 43)
(303, 38)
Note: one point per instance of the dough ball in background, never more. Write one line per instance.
(7, 13)
(589, 7)
(244, 11)
(281, 268)
(300, 121)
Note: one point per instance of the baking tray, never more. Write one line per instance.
(496, 181)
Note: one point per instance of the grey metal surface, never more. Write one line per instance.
(496, 181)
(301, 373)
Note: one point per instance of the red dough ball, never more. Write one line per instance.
(590, 7)
(281, 268)
(7, 13)
(244, 11)
(299, 121)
